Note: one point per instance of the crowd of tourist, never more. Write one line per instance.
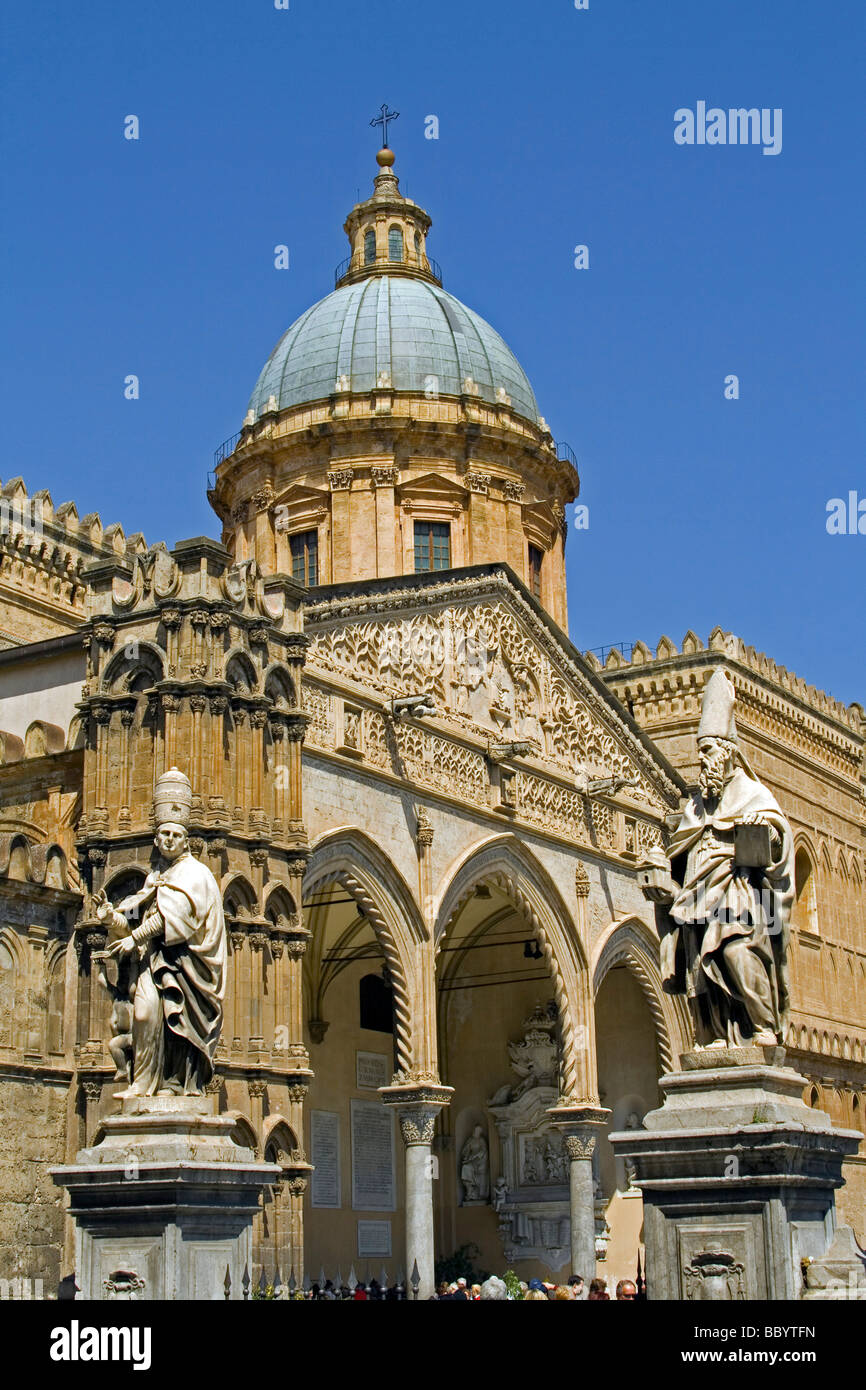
(536, 1291)
(493, 1289)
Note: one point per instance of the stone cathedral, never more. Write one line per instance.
(424, 807)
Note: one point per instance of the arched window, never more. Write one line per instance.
(418, 246)
(56, 996)
(805, 914)
(536, 559)
(377, 1004)
(395, 244)
(7, 994)
(814, 1098)
(369, 247)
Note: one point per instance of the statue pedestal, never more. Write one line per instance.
(738, 1177)
(163, 1205)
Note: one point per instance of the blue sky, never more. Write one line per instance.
(556, 128)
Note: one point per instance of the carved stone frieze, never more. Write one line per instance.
(488, 671)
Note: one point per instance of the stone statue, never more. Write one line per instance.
(177, 956)
(475, 1167)
(500, 1193)
(723, 907)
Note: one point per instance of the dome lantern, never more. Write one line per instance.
(387, 233)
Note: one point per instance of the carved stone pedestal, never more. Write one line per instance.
(738, 1177)
(164, 1204)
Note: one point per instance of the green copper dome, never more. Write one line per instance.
(391, 330)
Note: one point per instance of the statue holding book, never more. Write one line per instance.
(724, 892)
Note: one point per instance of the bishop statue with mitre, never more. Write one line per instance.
(723, 901)
(178, 956)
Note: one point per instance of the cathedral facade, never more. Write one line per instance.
(424, 806)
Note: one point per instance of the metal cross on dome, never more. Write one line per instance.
(382, 119)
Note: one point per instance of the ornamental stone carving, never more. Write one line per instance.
(489, 673)
(423, 826)
(714, 1275)
(418, 1124)
(580, 1145)
(384, 477)
(124, 1284)
(478, 482)
(263, 498)
(340, 479)
(581, 881)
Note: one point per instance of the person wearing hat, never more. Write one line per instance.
(180, 951)
(723, 915)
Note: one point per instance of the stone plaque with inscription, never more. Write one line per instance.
(374, 1239)
(373, 1181)
(325, 1155)
(372, 1070)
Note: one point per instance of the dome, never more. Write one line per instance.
(393, 330)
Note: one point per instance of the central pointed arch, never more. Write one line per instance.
(505, 861)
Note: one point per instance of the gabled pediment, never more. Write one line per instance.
(429, 487)
(298, 494)
(500, 673)
(299, 505)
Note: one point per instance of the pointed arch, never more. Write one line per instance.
(280, 687)
(239, 896)
(278, 1138)
(805, 909)
(630, 942)
(279, 905)
(240, 672)
(505, 861)
(136, 666)
(351, 858)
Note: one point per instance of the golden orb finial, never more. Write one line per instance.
(384, 157)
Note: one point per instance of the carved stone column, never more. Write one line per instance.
(424, 843)
(237, 936)
(197, 705)
(96, 939)
(102, 717)
(216, 800)
(296, 725)
(581, 1126)
(258, 719)
(127, 721)
(418, 1105)
(170, 710)
(258, 940)
(92, 1091)
(258, 1089)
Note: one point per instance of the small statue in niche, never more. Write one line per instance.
(475, 1167)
